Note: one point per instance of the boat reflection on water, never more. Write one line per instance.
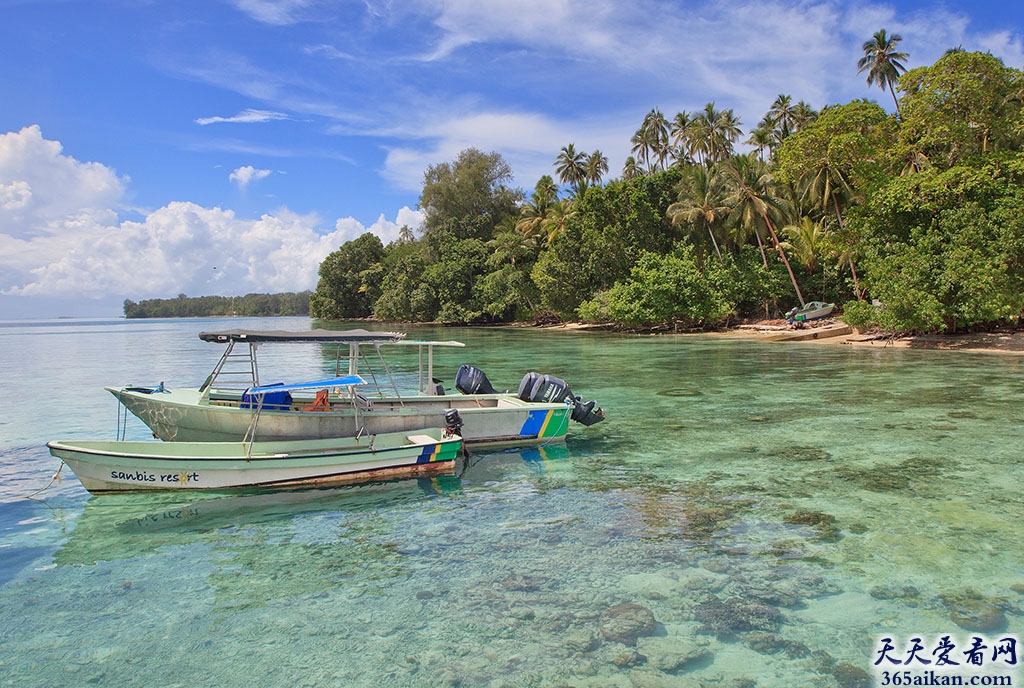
(115, 527)
(121, 526)
(494, 466)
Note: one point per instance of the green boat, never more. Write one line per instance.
(117, 465)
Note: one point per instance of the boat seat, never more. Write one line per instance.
(421, 439)
(321, 403)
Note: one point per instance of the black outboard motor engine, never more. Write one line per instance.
(470, 380)
(549, 389)
(452, 422)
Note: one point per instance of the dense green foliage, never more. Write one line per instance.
(910, 221)
(250, 305)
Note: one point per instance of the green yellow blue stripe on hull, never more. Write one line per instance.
(551, 423)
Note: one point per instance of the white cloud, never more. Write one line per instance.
(247, 116)
(276, 12)
(86, 252)
(42, 190)
(243, 176)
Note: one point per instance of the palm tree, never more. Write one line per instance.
(535, 212)
(651, 139)
(805, 114)
(701, 204)
(679, 137)
(569, 166)
(753, 203)
(761, 138)
(883, 62)
(405, 235)
(595, 167)
(830, 187)
(631, 169)
(713, 133)
(804, 239)
(558, 216)
(782, 114)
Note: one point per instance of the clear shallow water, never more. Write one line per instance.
(776, 508)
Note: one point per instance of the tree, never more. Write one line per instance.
(595, 168)
(782, 114)
(960, 110)
(837, 160)
(679, 136)
(651, 140)
(713, 133)
(472, 191)
(342, 291)
(535, 212)
(570, 166)
(631, 169)
(700, 206)
(883, 62)
(754, 202)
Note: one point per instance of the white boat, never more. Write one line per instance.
(115, 466)
(812, 310)
(219, 410)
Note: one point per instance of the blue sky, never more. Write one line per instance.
(226, 146)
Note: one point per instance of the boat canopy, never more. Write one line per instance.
(240, 371)
(337, 336)
(344, 381)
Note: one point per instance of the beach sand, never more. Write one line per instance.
(832, 331)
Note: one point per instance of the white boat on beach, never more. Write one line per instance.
(220, 411)
(812, 310)
(116, 466)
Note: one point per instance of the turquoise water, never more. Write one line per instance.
(765, 512)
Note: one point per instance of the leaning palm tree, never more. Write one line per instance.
(883, 62)
(701, 206)
(754, 203)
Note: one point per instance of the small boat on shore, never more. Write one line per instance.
(118, 465)
(538, 413)
(812, 310)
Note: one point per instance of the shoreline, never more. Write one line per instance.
(832, 331)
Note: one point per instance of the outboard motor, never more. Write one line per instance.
(586, 413)
(549, 389)
(452, 422)
(527, 385)
(470, 380)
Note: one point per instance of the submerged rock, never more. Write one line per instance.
(980, 617)
(675, 654)
(850, 676)
(972, 612)
(727, 618)
(624, 623)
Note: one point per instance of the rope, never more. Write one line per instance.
(559, 433)
(55, 475)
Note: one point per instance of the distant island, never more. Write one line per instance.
(250, 305)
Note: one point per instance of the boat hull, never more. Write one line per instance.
(147, 466)
(489, 420)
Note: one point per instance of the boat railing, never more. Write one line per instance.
(239, 370)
